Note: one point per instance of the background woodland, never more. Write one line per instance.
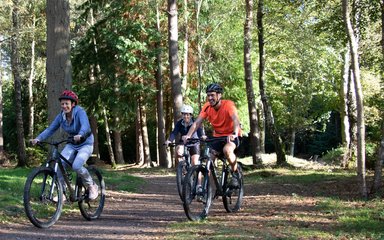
(306, 76)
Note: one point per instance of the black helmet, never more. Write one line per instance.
(214, 87)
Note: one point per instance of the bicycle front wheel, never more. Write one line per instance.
(181, 172)
(91, 209)
(196, 204)
(43, 197)
(233, 196)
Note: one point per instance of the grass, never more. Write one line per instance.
(11, 193)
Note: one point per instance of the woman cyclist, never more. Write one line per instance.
(73, 120)
(182, 127)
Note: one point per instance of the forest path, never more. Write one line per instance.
(148, 214)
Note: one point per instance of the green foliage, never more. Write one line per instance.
(35, 156)
(334, 156)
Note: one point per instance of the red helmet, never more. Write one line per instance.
(67, 94)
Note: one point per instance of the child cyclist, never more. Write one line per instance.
(182, 127)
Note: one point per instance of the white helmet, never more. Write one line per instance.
(186, 109)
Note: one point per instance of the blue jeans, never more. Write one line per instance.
(78, 162)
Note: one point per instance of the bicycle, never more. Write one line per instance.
(196, 204)
(184, 165)
(43, 192)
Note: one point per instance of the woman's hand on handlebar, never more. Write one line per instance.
(34, 141)
(77, 138)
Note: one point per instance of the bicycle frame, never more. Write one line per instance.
(211, 171)
(57, 159)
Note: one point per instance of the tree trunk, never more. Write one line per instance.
(174, 68)
(163, 159)
(359, 100)
(118, 145)
(254, 134)
(1, 108)
(92, 80)
(108, 138)
(346, 137)
(58, 66)
(139, 139)
(15, 61)
(184, 82)
(198, 43)
(261, 120)
(292, 142)
(30, 83)
(144, 131)
(95, 131)
(270, 122)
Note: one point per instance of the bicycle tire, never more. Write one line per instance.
(91, 209)
(194, 208)
(39, 206)
(181, 172)
(233, 197)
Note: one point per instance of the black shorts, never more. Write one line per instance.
(219, 144)
(193, 148)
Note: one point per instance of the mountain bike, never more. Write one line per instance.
(183, 165)
(44, 193)
(196, 203)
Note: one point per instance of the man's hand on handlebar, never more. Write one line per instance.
(166, 143)
(185, 138)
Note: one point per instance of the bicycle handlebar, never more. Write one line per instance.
(57, 143)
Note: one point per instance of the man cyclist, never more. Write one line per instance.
(182, 126)
(222, 115)
(74, 120)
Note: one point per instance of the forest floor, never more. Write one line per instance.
(156, 211)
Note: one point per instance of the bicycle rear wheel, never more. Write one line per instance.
(233, 197)
(40, 190)
(196, 206)
(181, 172)
(91, 209)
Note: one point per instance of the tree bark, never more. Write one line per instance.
(163, 160)
(254, 134)
(359, 100)
(108, 138)
(1, 108)
(144, 131)
(270, 122)
(174, 69)
(184, 81)
(30, 83)
(58, 66)
(95, 131)
(346, 137)
(139, 139)
(15, 61)
(118, 146)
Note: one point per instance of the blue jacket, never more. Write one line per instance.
(183, 129)
(78, 126)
